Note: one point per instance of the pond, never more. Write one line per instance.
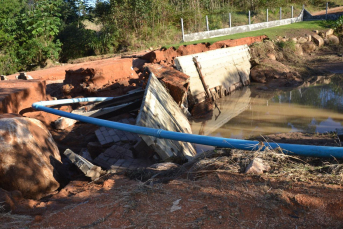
(313, 109)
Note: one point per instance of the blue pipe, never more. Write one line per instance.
(293, 149)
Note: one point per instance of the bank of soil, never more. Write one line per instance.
(211, 192)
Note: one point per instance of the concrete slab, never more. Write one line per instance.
(227, 67)
(160, 111)
(16, 95)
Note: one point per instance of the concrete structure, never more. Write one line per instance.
(241, 29)
(309, 17)
(228, 68)
(160, 111)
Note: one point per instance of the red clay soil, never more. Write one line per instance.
(216, 199)
(167, 56)
(16, 95)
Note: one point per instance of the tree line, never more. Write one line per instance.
(33, 32)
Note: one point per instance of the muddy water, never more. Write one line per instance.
(312, 109)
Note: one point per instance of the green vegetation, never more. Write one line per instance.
(34, 32)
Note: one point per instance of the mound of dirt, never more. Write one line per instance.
(167, 56)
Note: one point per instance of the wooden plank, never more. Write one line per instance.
(160, 111)
(222, 67)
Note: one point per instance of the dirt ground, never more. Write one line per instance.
(211, 192)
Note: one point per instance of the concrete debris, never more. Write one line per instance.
(23, 76)
(94, 149)
(108, 136)
(328, 32)
(90, 170)
(318, 40)
(175, 206)
(175, 81)
(333, 40)
(163, 166)
(3, 77)
(257, 166)
(160, 111)
(143, 150)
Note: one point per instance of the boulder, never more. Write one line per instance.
(257, 166)
(308, 47)
(318, 40)
(28, 157)
(302, 40)
(267, 70)
(298, 50)
(333, 40)
(328, 32)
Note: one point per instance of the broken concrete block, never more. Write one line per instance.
(90, 170)
(318, 40)
(302, 40)
(63, 123)
(164, 166)
(3, 77)
(176, 82)
(257, 166)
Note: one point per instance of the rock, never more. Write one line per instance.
(23, 76)
(308, 47)
(302, 40)
(328, 32)
(316, 31)
(257, 166)
(29, 157)
(322, 34)
(63, 123)
(326, 41)
(333, 40)
(3, 77)
(271, 56)
(318, 40)
(298, 50)
(163, 166)
(294, 39)
(309, 38)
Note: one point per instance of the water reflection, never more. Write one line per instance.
(312, 109)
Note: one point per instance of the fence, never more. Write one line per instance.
(271, 20)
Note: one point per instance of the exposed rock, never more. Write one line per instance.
(318, 40)
(333, 40)
(308, 47)
(328, 32)
(309, 37)
(298, 50)
(271, 56)
(294, 39)
(302, 40)
(29, 157)
(163, 166)
(257, 166)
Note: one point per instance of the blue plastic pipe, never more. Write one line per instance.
(301, 150)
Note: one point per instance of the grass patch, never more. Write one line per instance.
(272, 33)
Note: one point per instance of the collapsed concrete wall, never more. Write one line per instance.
(160, 111)
(223, 70)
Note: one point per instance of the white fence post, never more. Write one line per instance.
(249, 18)
(292, 11)
(267, 15)
(207, 26)
(327, 7)
(183, 31)
(280, 13)
(230, 19)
